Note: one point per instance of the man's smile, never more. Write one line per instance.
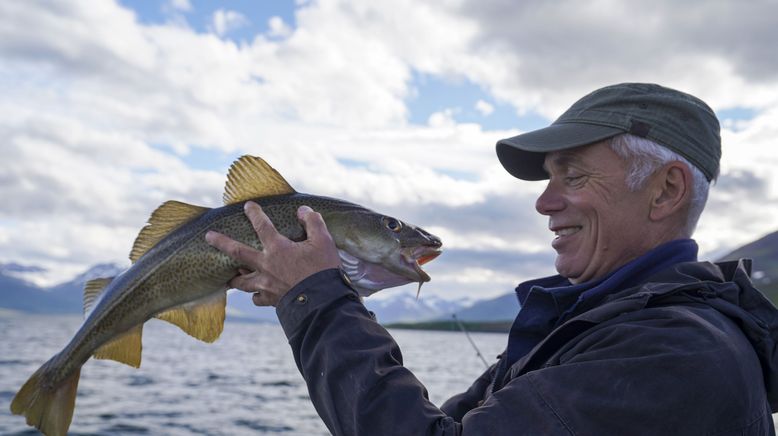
(566, 231)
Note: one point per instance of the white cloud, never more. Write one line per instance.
(278, 27)
(484, 108)
(223, 21)
(181, 5)
(88, 92)
(444, 118)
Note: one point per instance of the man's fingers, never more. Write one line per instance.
(265, 229)
(313, 223)
(244, 282)
(259, 299)
(236, 250)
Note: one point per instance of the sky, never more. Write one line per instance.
(109, 108)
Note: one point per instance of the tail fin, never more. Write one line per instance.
(50, 409)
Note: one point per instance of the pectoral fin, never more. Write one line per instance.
(202, 319)
(125, 348)
(163, 221)
(251, 177)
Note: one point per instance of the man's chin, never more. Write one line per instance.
(565, 270)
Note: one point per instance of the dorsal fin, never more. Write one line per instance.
(92, 290)
(164, 220)
(251, 177)
(202, 319)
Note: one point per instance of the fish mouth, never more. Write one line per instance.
(416, 257)
(368, 277)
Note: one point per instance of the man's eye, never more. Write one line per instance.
(574, 180)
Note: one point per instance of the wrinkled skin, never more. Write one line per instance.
(599, 223)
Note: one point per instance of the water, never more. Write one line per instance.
(244, 383)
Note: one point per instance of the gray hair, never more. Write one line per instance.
(644, 157)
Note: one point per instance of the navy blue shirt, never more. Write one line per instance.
(548, 302)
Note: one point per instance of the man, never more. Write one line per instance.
(634, 336)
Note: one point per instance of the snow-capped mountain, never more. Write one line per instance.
(67, 297)
(404, 307)
(101, 270)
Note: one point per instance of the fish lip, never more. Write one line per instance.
(417, 256)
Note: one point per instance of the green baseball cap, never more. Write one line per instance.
(679, 121)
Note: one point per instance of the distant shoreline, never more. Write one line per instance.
(446, 325)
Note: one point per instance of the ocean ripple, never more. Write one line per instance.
(245, 383)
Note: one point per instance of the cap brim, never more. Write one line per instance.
(523, 155)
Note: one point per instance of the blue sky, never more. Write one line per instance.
(395, 104)
(200, 14)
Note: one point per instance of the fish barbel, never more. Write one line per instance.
(177, 277)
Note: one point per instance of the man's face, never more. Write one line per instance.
(599, 224)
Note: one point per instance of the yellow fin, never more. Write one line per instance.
(163, 221)
(92, 290)
(251, 177)
(49, 410)
(202, 319)
(125, 348)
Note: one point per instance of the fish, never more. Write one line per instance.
(177, 277)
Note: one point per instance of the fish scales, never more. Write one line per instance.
(178, 277)
(181, 268)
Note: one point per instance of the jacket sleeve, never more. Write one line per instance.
(356, 378)
(351, 365)
(668, 370)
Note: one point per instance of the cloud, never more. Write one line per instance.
(484, 108)
(552, 53)
(278, 27)
(224, 21)
(181, 5)
(101, 112)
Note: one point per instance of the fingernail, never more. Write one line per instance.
(209, 235)
(304, 209)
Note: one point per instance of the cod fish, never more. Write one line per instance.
(177, 277)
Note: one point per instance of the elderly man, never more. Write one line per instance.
(634, 336)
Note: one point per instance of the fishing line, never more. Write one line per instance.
(464, 330)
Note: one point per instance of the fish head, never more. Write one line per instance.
(379, 251)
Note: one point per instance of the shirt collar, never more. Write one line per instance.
(630, 274)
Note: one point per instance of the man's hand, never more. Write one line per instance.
(281, 263)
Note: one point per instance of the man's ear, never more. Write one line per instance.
(671, 190)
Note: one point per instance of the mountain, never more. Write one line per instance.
(404, 307)
(18, 294)
(72, 292)
(764, 253)
(502, 308)
(21, 295)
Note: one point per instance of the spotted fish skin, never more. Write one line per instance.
(178, 277)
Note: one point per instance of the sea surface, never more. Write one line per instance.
(244, 383)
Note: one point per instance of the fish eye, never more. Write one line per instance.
(393, 224)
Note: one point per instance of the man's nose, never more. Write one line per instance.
(550, 200)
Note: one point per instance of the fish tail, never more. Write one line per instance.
(49, 409)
